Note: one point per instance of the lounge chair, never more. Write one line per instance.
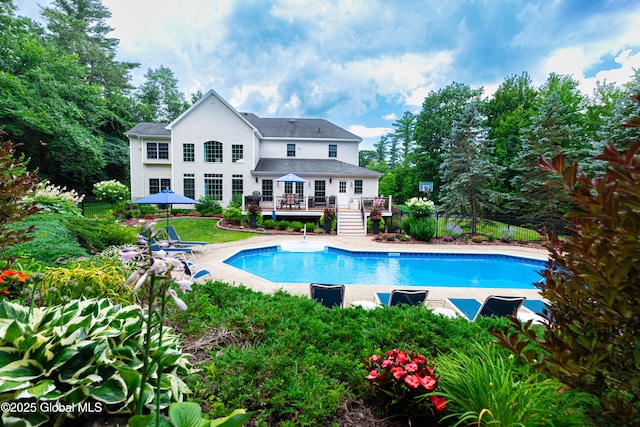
(328, 295)
(493, 305)
(195, 271)
(179, 243)
(184, 252)
(403, 297)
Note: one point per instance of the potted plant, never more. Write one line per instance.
(328, 217)
(254, 209)
(375, 216)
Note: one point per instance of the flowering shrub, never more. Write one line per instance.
(421, 207)
(56, 199)
(405, 380)
(111, 191)
(477, 239)
(11, 283)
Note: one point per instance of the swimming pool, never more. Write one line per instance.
(333, 265)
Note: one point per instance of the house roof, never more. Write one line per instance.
(149, 129)
(325, 167)
(299, 128)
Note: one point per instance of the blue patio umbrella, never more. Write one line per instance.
(165, 198)
(291, 177)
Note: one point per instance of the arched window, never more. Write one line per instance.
(213, 152)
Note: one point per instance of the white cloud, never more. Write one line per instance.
(390, 117)
(369, 132)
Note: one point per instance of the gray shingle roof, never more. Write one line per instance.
(311, 167)
(298, 128)
(150, 129)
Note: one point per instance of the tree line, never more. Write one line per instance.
(480, 152)
(67, 101)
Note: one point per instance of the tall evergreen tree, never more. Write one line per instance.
(79, 26)
(159, 99)
(557, 126)
(403, 132)
(433, 127)
(467, 169)
(508, 112)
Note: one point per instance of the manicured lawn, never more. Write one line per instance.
(202, 229)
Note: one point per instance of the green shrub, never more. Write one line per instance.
(291, 358)
(297, 226)
(283, 224)
(54, 199)
(208, 205)
(482, 387)
(53, 243)
(236, 201)
(233, 215)
(405, 224)
(424, 229)
(86, 351)
(311, 227)
(269, 224)
(111, 191)
(97, 235)
(370, 223)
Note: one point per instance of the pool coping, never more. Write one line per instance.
(213, 261)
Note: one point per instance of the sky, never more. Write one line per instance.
(362, 63)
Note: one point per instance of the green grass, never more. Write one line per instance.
(205, 230)
(97, 209)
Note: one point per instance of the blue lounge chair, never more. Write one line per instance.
(184, 252)
(328, 295)
(403, 297)
(195, 271)
(177, 242)
(493, 305)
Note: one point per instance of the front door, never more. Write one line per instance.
(343, 196)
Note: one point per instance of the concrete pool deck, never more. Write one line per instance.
(213, 261)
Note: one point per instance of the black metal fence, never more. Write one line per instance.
(500, 226)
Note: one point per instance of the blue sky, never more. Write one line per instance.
(362, 63)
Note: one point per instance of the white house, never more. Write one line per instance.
(213, 150)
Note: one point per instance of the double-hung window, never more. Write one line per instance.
(158, 150)
(188, 152)
(291, 150)
(189, 183)
(333, 150)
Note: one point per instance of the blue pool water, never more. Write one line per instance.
(334, 265)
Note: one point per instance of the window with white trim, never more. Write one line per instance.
(213, 185)
(357, 186)
(213, 152)
(189, 184)
(158, 150)
(333, 150)
(291, 150)
(237, 153)
(188, 152)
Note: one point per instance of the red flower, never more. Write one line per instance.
(439, 402)
(411, 367)
(428, 382)
(375, 358)
(402, 358)
(412, 381)
(386, 363)
(373, 375)
(6, 291)
(398, 373)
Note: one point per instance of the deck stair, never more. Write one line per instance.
(350, 223)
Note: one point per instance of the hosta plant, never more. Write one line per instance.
(84, 355)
